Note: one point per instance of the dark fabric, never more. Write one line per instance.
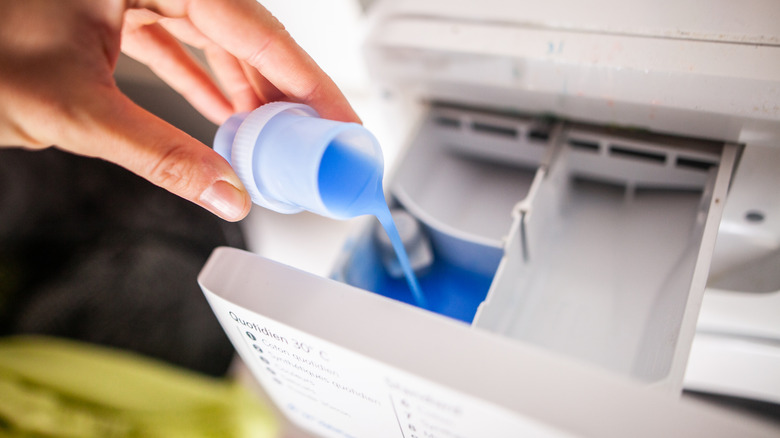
(90, 251)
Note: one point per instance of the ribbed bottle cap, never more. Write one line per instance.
(223, 140)
(241, 157)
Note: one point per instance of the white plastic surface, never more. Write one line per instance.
(736, 350)
(461, 177)
(709, 71)
(614, 258)
(741, 313)
(736, 366)
(747, 254)
(340, 372)
(749, 22)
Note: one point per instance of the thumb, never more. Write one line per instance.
(123, 133)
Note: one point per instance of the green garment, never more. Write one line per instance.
(57, 388)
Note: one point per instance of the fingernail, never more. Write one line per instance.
(224, 200)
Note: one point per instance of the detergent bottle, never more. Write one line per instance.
(291, 160)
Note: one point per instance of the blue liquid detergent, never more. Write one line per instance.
(450, 290)
(350, 184)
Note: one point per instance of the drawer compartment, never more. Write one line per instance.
(593, 243)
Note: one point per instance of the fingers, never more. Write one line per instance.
(231, 75)
(225, 66)
(152, 45)
(267, 91)
(244, 85)
(121, 132)
(250, 33)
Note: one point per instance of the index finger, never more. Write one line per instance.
(249, 32)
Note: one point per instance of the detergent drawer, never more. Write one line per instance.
(579, 255)
(591, 242)
(340, 362)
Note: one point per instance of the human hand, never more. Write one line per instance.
(57, 87)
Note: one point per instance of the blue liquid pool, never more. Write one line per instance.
(350, 184)
(450, 290)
